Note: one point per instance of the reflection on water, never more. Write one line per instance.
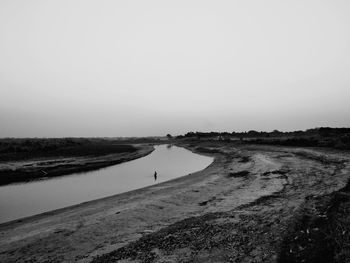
(32, 198)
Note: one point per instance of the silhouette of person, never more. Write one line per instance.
(155, 176)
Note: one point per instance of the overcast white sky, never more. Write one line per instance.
(138, 68)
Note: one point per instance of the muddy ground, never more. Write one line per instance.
(252, 204)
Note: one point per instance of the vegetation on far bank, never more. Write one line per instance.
(21, 149)
(338, 138)
(32, 159)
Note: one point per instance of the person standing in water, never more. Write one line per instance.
(155, 176)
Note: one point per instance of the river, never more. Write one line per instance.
(27, 199)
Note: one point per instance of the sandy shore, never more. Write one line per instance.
(242, 208)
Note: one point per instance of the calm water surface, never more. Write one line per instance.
(21, 200)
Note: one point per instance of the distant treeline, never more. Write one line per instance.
(317, 137)
(18, 149)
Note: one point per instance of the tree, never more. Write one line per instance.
(169, 136)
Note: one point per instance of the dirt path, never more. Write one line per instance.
(240, 209)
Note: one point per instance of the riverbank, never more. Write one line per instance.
(245, 207)
(82, 158)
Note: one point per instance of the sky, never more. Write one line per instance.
(145, 68)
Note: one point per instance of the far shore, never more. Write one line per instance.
(86, 157)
